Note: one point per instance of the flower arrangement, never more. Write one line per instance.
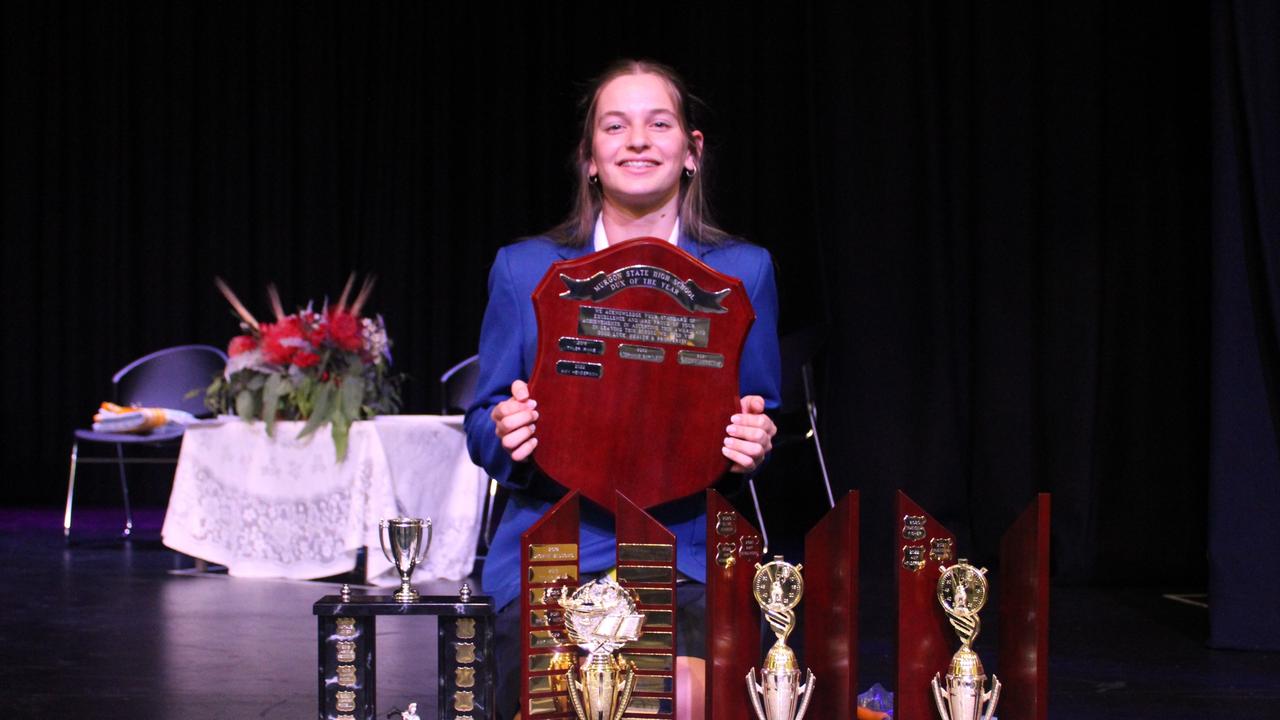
(331, 365)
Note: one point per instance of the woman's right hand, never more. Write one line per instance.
(513, 421)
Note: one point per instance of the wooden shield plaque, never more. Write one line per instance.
(636, 373)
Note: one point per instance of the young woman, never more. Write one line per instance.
(639, 164)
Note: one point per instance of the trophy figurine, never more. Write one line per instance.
(404, 545)
(778, 587)
(600, 617)
(962, 591)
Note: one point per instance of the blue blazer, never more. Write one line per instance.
(508, 343)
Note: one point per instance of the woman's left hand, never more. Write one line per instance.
(749, 437)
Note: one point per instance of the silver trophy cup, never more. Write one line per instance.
(962, 694)
(405, 542)
(782, 692)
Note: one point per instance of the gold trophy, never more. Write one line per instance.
(403, 544)
(600, 617)
(778, 588)
(962, 591)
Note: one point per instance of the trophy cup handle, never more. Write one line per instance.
(625, 700)
(938, 698)
(753, 692)
(991, 697)
(575, 689)
(807, 691)
(383, 529)
(426, 542)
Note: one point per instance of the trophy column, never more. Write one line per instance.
(924, 640)
(647, 566)
(831, 609)
(733, 618)
(548, 564)
(1024, 613)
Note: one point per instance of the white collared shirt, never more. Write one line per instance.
(601, 241)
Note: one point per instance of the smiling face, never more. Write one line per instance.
(639, 148)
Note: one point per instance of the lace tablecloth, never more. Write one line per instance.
(284, 507)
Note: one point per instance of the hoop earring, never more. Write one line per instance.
(689, 172)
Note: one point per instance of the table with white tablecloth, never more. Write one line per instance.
(283, 507)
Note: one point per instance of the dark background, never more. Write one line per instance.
(1000, 215)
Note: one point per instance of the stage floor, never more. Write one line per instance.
(107, 629)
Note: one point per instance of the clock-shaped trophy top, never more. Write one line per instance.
(778, 585)
(962, 589)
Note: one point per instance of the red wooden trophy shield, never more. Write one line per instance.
(637, 371)
(830, 607)
(1024, 614)
(733, 617)
(925, 640)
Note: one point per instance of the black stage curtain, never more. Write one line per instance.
(1245, 449)
(999, 215)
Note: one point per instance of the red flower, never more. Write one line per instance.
(281, 340)
(344, 329)
(305, 359)
(241, 344)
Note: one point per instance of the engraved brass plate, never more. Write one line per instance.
(645, 661)
(566, 552)
(345, 701)
(543, 618)
(650, 706)
(645, 327)
(464, 700)
(913, 527)
(751, 547)
(642, 552)
(581, 345)
(649, 596)
(465, 628)
(346, 626)
(913, 557)
(346, 651)
(941, 549)
(726, 555)
(545, 596)
(464, 653)
(553, 574)
(653, 640)
(646, 574)
(654, 684)
(548, 683)
(657, 618)
(347, 675)
(579, 369)
(693, 358)
(543, 662)
(641, 352)
(464, 677)
(726, 524)
(548, 705)
(544, 638)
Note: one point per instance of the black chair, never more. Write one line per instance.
(163, 379)
(457, 390)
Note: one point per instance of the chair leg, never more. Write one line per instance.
(71, 489)
(764, 533)
(811, 408)
(124, 491)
